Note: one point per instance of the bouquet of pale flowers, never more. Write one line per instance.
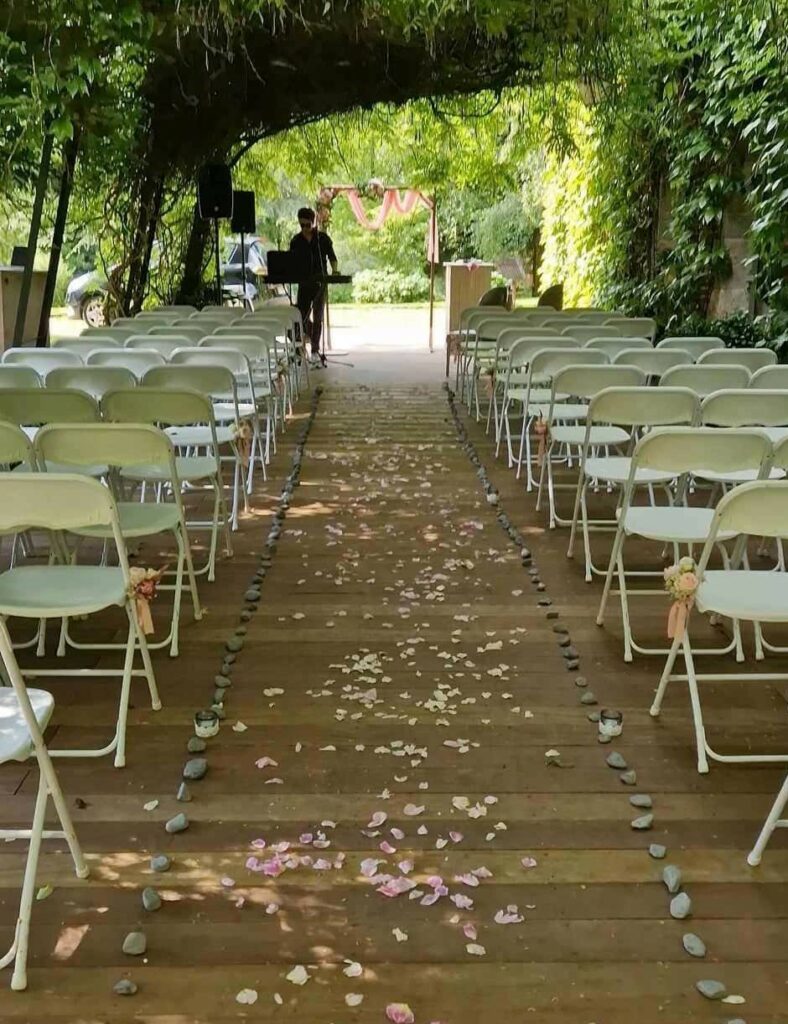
(144, 583)
(681, 582)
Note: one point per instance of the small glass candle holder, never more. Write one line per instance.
(206, 724)
(611, 723)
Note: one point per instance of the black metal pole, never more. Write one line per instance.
(218, 266)
(70, 151)
(243, 270)
(32, 239)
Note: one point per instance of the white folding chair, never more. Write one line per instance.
(165, 345)
(635, 409)
(704, 380)
(644, 326)
(61, 503)
(583, 333)
(25, 714)
(612, 346)
(748, 408)
(512, 377)
(83, 346)
(122, 446)
(774, 378)
(541, 368)
(183, 334)
(42, 360)
(759, 509)
(696, 346)
(172, 407)
(580, 382)
(753, 358)
(138, 360)
(681, 452)
(654, 362)
(93, 380)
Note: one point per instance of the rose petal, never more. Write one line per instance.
(298, 975)
(247, 997)
(399, 1013)
(354, 999)
(475, 949)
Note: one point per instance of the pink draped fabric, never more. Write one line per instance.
(394, 203)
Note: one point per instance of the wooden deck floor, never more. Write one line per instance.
(399, 665)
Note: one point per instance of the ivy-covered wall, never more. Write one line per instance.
(674, 193)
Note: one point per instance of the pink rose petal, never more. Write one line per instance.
(528, 862)
(469, 931)
(405, 866)
(377, 819)
(399, 1013)
(386, 847)
(266, 762)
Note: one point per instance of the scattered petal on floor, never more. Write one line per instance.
(247, 997)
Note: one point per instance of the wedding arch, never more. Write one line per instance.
(394, 201)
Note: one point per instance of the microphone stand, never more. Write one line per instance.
(324, 289)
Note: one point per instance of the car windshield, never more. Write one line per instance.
(255, 257)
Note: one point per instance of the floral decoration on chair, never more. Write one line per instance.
(681, 582)
(242, 439)
(144, 583)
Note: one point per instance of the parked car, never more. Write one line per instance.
(85, 297)
(255, 259)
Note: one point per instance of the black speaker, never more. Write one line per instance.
(243, 222)
(215, 192)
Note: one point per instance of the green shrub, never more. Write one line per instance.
(390, 286)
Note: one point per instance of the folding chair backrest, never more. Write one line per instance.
(138, 360)
(33, 406)
(124, 321)
(255, 349)
(171, 406)
(548, 361)
(93, 380)
(56, 501)
(164, 345)
(522, 349)
(208, 380)
(585, 332)
(246, 329)
(644, 407)
(159, 315)
(589, 316)
(774, 378)
(231, 359)
(14, 445)
(750, 408)
(228, 312)
(19, 377)
(704, 379)
(87, 342)
(759, 509)
(780, 454)
(191, 335)
(183, 309)
(641, 326)
(117, 332)
(612, 346)
(144, 321)
(753, 358)
(586, 381)
(685, 449)
(654, 361)
(694, 345)
(110, 444)
(42, 360)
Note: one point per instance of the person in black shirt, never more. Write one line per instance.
(312, 251)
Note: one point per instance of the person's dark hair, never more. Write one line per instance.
(306, 213)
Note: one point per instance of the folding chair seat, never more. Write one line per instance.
(25, 714)
(755, 509)
(753, 358)
(123, 446)
(680, 452)
(694, 345)
(169, 406)
(635, 408)
(580, 382)
(61, 503)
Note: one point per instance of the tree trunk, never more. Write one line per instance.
(70, 151)
(32, 238)
(142, 244)
(191, 286)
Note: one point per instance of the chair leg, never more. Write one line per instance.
(772, 822)
(656, 704)
(617, 543)
(586, 536)
(177, 597)
(697, 714)
(125, 694)
(187, 554)
(142, 643)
